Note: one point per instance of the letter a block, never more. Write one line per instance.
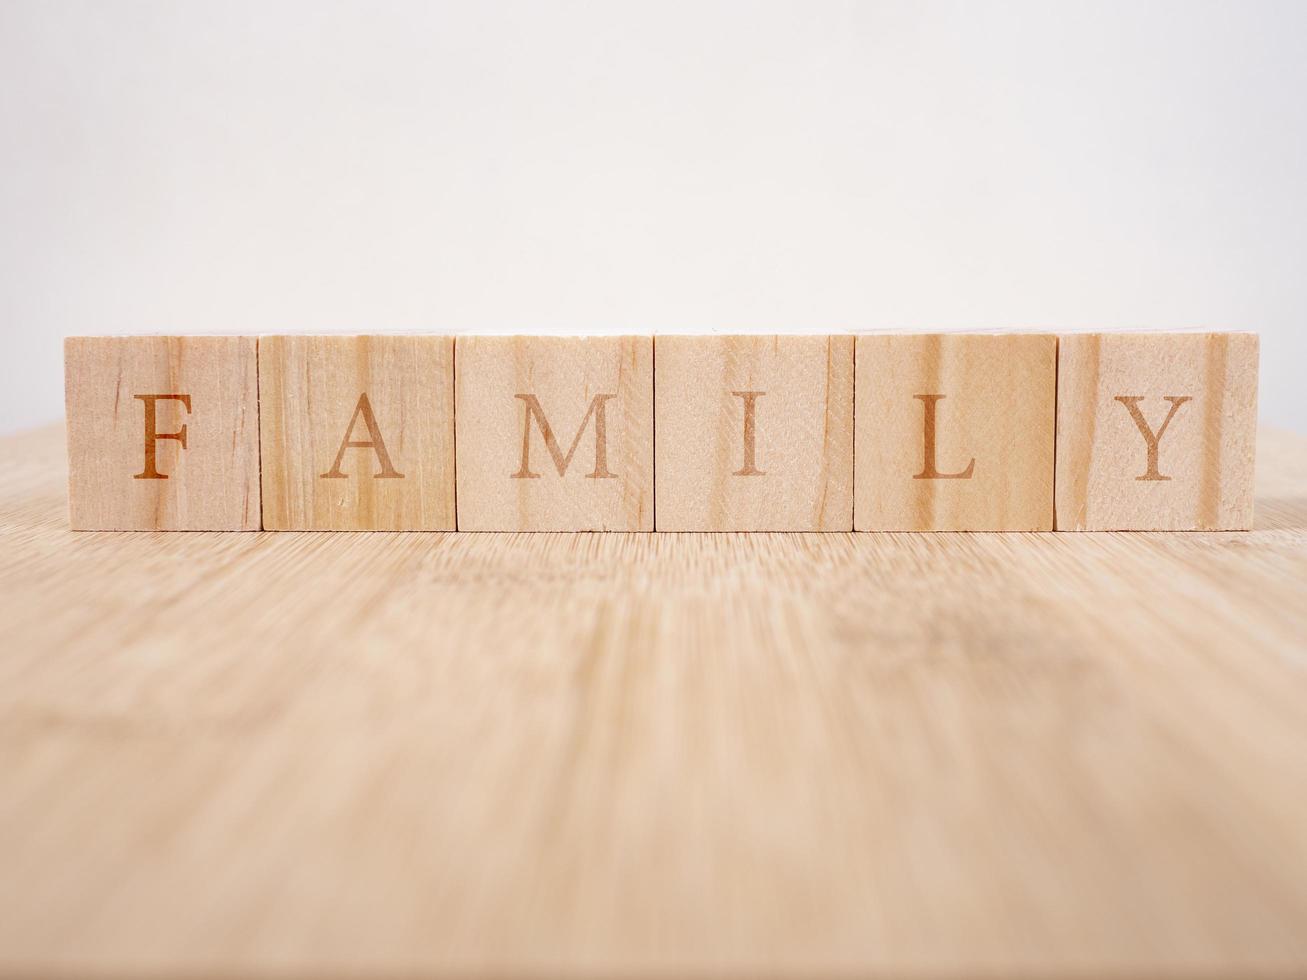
(754, 433)
(555, 433)
(163, 433)
(1156, 432)
(955, 432)
(358, 433)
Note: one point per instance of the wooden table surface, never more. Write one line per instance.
(630, 754)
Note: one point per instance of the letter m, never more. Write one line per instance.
(561, 462)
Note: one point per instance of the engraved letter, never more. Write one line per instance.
(1151, 439)
(561, 462)
(153, 435)
(374, 442)
(750, 429)
(928, 468)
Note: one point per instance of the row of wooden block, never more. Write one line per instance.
(965, 432)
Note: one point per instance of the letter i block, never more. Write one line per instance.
(163, 433)
(555, 433)
(358, 433)
(1156, 431)
(754, 433)
(955, 432)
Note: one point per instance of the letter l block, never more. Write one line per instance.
(954, 432)
(163, 433)
(555, 433)
(1156, 431)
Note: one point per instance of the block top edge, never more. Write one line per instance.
(468, 334)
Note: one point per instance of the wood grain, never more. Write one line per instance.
(327, 754)
(1192, 395)
(955, 432)
(392, 398)
(753, 433)
(199, 398)
(555, 433)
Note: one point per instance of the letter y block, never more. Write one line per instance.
(555, 433)
(163, 433)
(1156, 431)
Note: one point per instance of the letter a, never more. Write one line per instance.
(388, 471)
(153, 435)
(561, 462)
(1151, 439)
(928, 468)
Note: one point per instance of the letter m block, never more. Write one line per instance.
(163, 433)
(554, 433)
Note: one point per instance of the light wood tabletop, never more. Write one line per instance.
(342, 754)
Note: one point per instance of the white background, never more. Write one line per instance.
(704, 166)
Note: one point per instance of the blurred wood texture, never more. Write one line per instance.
(340, 754)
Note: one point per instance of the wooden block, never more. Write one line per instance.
(1156, 431)
(955, 432)
(163, 433)
(753, 433)
(358, 433)
(555, 433)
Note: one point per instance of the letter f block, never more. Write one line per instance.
(954, 432)
(555, 433)
(358, 433)
(163, 433)
(1156, 431)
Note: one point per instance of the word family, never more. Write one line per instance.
(873, 432)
